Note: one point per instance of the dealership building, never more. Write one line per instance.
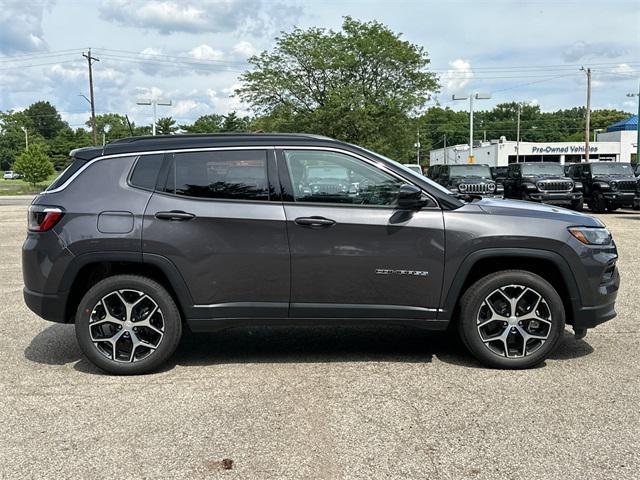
(617, 144)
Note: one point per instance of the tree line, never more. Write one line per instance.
(362, 84)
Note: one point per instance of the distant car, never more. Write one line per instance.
(11, 175)
(543, 182)
(466, 179)
(637, 170)
(415, 167)
(607, 185)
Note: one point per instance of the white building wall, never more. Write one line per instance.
(497, 154)
(627, 140)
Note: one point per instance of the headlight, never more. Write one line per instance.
(540, 185)
(491, 186)
(614, 185)
(591, 235)
(578, 186)
(462, 187)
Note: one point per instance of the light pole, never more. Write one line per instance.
(637, 124)
(470, 97)
(26, 138)
(596, 131)
(155, 103)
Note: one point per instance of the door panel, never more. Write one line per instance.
(353, 253)
(369, 259)
(233, 254)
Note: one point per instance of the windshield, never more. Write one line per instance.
(324, 173)
(543, 169)
(602, 168)
(415, 168)
(411, 173)
(470, 171)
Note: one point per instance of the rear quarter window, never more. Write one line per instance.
(67, 173)
(145, 172)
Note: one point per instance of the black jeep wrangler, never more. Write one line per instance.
(542, 182)
(469, 179)
(607, 185)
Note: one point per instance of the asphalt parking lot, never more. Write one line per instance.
(319, 403)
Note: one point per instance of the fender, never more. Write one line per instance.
(454, 291)
(167, 267)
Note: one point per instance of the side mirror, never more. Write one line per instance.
(409, 197)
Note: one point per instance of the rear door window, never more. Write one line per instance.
(229, 174)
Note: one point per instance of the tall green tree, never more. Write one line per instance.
(234, 123)
(205, 124)
(45, 119)
(12, 136)
(34, 164)
(360, 84)
(166, 126)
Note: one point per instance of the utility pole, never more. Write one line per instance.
(90, 61)
(154, 103)
(518, 135)
(587, 129)
(26, 138)
(637, 124)
(470, 97)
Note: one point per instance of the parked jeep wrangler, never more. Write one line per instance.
(146, 236)
(467, 179)
(542, 182)
(607, 185)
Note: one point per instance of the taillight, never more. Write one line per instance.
(42, 218)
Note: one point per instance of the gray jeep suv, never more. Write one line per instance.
(146, 236)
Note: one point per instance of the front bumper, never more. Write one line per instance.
(593, 315)
(51, 307)
(621, 198)
(555, 198)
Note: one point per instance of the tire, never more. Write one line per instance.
(489, 343)
(524, 196)
(128, 307)
(578, 205)
(598, 203)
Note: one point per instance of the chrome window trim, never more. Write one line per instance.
(377, 164)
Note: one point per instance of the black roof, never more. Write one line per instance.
(171, 142)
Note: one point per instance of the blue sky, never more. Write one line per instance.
(192, 51)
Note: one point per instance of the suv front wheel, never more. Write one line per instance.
(128, 324)
(511, 319)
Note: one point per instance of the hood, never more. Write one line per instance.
(471, 180)
(536, 178)
(617, 178)
(521, 208)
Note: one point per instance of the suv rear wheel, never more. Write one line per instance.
(128, 324)
(511, 319)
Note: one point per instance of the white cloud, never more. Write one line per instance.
(21, 26)
(458, 76)
(244, 49)
(205, 52)
(581, 50)
(169, 16)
